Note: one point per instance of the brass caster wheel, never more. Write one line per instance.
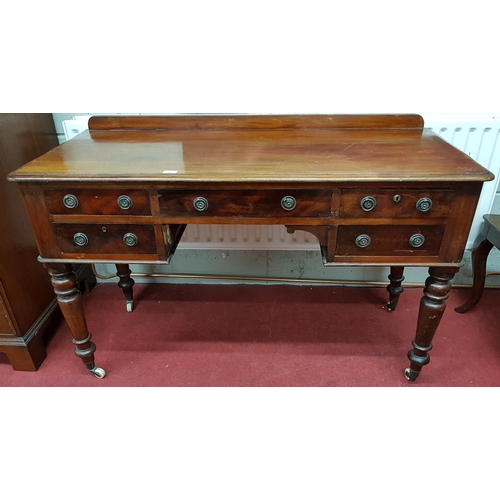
(98, 372)
(411, 375)
(130, 306)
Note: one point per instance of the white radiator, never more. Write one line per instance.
(476, 135)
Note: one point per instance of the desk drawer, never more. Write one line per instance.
(98, 202)
(389, 240)
(247, 203)
(94, 239)
(383, 203)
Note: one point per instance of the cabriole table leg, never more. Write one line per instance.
(432, 306)
(70, 302)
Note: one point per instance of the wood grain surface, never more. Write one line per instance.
(270, 155)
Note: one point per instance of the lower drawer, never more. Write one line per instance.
(96, 239)
(389, 240)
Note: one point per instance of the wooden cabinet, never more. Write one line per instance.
(26, 296)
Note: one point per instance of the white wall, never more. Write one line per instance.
(258, 57)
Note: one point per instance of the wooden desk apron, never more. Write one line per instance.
(374, 190)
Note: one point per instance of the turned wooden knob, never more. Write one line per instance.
(417, 240)
(130, 239)
(424, 204)
(363, 240)
(288, 203)
(80, 239)
(124, 202)
(368, 203)
(70, 201)
(200, 204)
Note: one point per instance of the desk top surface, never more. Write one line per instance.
(304, 148)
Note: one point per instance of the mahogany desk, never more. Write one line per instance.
(376, 190)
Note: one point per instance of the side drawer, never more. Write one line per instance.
(247, 203)
(389, 241)
(96, 239)
(399, 203)
(98, 202)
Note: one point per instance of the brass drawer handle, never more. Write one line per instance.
(124, 202)
(417, 240)
(80, 239)
(70, 201)
(368, 203)
(130, 239)
(363, 240)
(288, 203)
(200, 204)
(424, 204)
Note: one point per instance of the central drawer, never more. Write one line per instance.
(247, 203)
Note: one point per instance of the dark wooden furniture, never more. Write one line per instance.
(376, 190)
(490, 231)
(26, 297)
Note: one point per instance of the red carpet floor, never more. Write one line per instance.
(267, 336)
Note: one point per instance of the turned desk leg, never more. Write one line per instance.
(395, 287)
(479, 258)
(70, 302)
(126, 283)
(432, 306)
